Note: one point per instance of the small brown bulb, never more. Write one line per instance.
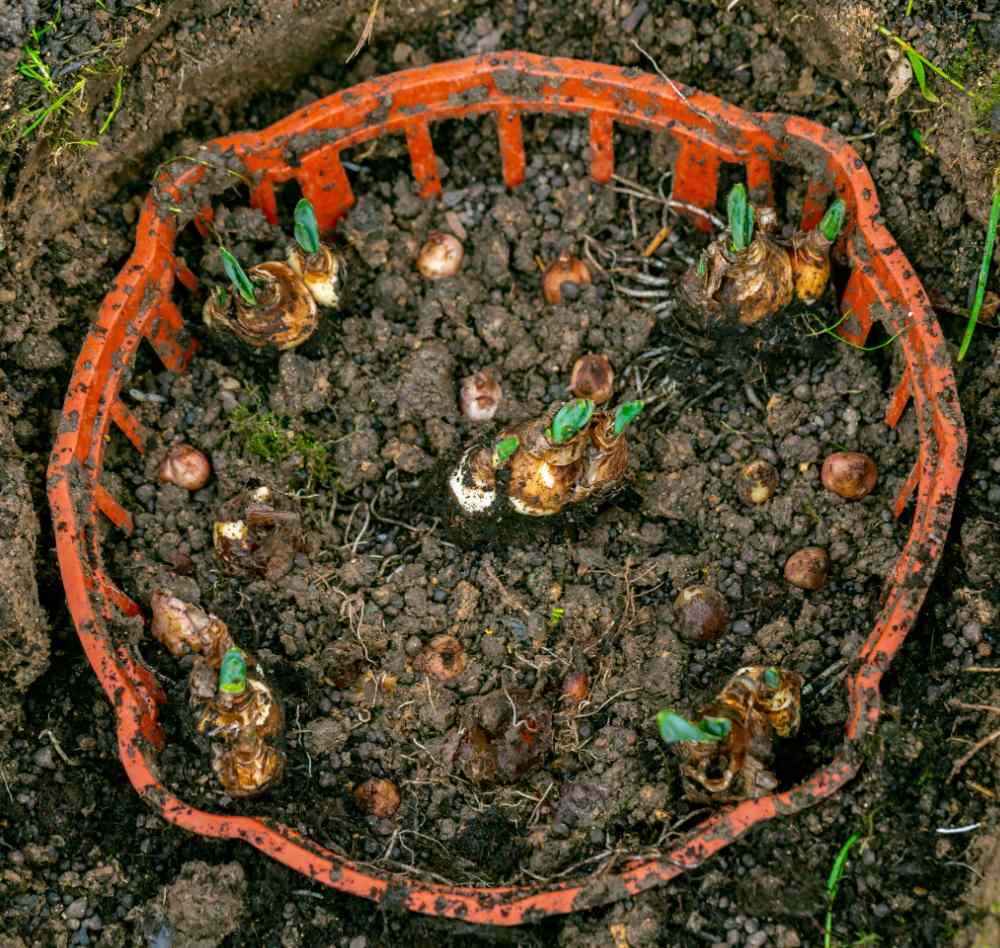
(479, 396)
(563, 278)
(575, 689)
(441, 256)
(444, 659)
(758, 482)
(593, 378)
(702, 614)
(849, 474)
(185, 466)
(378, 797)
(807, 568)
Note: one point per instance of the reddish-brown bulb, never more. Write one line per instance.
(593, 378)
(378, 797)
(575, 689)
(758, 482)
(564, 277)
(807, 568)
(702, 614)
(185, 466)
(849, 474)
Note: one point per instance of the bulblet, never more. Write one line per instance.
(322, 272)
(247, 767)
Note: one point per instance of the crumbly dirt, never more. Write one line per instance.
(83, 861)
(24, 645)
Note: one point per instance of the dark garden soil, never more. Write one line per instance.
(354, 432)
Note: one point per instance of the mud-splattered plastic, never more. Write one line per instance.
(307, 146)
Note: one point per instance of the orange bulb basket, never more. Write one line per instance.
(307, 146)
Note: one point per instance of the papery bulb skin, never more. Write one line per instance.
(480, 396)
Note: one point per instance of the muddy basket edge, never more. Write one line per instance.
(306, 146)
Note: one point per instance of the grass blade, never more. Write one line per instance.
(917, 65)
(984, 272)
(831, 887)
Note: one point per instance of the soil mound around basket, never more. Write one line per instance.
(24, 641)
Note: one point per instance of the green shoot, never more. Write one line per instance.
(831, 887)
(740, 212)
(917, 65)
(233, 673)
(106, 124)
(918, 137)
(626, 414)
(675, 728)
(984, 271)
(702, 265)
(306, 228)
(238, 277)
(505, 449)
(916, 57)
(909, 8)
(833, 220)
(556, 616)
(570, 420)
(51, 98)
(42, 113)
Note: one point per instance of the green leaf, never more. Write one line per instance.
(626, 414)
(237, 276)
(306, 228)
(570, 420)
(740, 212)
(984, 273)
(833, 220)
(233, 673)
(505, 449)
(917, 65)
(675, 728)
(702, 265)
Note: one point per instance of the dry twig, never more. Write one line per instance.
(366, 33)
(975, 749)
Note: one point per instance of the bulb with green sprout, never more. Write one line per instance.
(744, 275)
(268, 307)
(810, 254)
(725, 752)
(545, 471)
(540, 467)
(473, 482)
(319, 268)
(243, 700)
(606, 461)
